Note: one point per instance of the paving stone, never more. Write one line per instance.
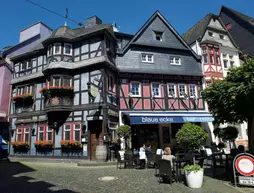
(55, 177)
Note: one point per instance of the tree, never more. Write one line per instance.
(231, 100)
(125, 132)
(191, 136)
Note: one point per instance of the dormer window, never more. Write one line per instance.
(57, 48)
(67, 49)
(175, 60)
(210, 34)
(158, 35)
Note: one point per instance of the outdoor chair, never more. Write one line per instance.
(218, 162)
(150, 159)
(165, 171)
(120, 161)
(157, 158)
(208, 155)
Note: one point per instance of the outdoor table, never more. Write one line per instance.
(178, 165)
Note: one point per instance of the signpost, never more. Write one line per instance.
(244, 169)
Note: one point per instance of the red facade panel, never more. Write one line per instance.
(146, 90)
(122, 104)
(147, 104)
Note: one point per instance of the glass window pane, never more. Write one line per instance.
(67, 49)
(40, 136)
(77, 135)
(135, 89)
(19, 137)
(67, 135)
(57, 81)
(49, 136)
(67, 81)
(26, 137)
(77, 126)
(67, 127)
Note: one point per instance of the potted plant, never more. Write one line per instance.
(192, 136)
(43, 146)
(20, 147)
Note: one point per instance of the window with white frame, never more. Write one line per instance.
(50, 50)
(56, 81)
(192, 91)
(26, 134)
(67, 132)
(171, 90)
(72, 131)
(57, 48)
(158, 35)
(156, 90)
(19, 135)
(40, 133)
(147, 58)
(26, 65)
(77, 132)
(49, 134)
(135, 89)
(182, 90)
(25, 90)
(68, 49)
(175, 60)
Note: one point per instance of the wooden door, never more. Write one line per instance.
(95, 128)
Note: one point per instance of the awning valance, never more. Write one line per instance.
(139, 117)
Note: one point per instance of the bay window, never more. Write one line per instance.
(67, 49)
(57, 48)
(24, 90)
(204, 53)
(61, 80)
(211, 56)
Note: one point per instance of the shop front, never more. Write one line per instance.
(159, 128)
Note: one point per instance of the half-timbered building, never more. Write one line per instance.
(160, 79)
(60, 89)
(210, 39)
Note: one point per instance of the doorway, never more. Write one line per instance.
(95, 129)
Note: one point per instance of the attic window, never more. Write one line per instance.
(222, 37)
(210, 33)
(158, 35)
(228, 26)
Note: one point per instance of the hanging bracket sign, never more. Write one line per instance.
(244, 169)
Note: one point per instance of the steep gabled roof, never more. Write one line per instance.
(142, 29)
(197, 31)
(238, 14)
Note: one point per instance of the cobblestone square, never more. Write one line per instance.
(29, 177)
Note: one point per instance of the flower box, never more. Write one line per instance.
(56, 90)
(71, 147)
(23, 98)
(20, 147)
(43, 144)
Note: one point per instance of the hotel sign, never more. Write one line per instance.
(168, 119)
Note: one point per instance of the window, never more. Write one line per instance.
(25, 90)
(25, 65)
(156, 90)
(211, 56)
(210, 33)
(57, 48)
(147, 58)
(228, 26)
(205, 57)
(232, 63)
(225, 62)
(158, 36)
(192, 91)
(110, 83)
(67, 132)
(41, 133)
(182, 90)
(19, 135)
(135, 90)
(68, 49)
(208, 83)
(222, 37)
(56, 81)
(175, 60)
(217, 56)
(23, 134)
(171, 90)
(230, 57)
(72, 131)
(107, 44)
(224, 55)
(67, 81)
(77, 133)
(45, 133)
(50, 49)
(49, 133)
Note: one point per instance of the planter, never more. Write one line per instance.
(194, 179)
(101, 153)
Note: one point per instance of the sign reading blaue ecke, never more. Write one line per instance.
(168, 119)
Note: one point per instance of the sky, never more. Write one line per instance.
(128, 15)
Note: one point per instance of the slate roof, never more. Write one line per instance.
(197, 31)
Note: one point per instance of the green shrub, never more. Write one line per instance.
(191, 168)
(191, 136)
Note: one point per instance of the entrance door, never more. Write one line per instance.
(95, 129)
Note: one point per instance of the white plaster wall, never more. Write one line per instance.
(228, 52)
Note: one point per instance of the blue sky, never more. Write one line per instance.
(130, 15)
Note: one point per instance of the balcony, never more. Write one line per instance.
(23, 102)
(58, 98)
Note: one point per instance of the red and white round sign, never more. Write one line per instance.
(245, 165)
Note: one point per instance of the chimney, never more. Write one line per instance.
(91, 21)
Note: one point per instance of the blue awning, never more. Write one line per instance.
(140, 117)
